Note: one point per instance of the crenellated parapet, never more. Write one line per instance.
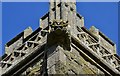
(60, 45)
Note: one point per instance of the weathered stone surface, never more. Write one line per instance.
(62, 46)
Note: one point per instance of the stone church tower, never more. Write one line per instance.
(60, 46)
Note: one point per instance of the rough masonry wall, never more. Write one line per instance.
(62, 61)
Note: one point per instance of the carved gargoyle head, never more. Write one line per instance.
(59, 34)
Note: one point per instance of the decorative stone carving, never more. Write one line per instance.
(60, 33)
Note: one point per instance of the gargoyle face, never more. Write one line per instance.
(60, 34)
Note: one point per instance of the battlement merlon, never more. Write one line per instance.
(17, 41)
(104, 40)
